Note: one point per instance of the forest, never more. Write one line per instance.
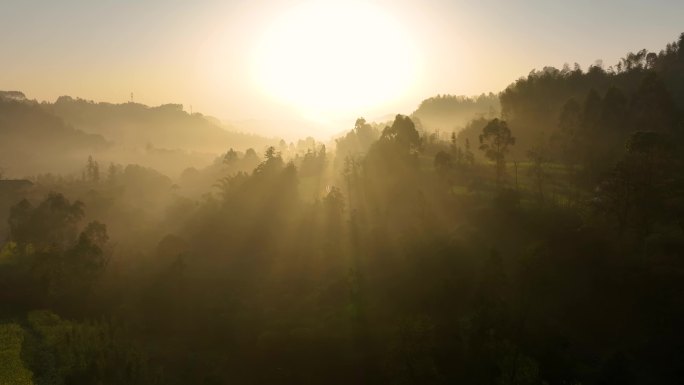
(534, 236)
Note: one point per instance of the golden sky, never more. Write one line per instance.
(322, 61)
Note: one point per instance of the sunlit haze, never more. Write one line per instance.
(336, 192)
(316, 65)
(331, 59)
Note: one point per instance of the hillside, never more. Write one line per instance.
(40, 138)
(643, 91)
(32, 139)
(166, 126)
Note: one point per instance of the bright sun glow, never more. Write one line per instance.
(333, 58)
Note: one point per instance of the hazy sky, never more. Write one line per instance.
(237, 59)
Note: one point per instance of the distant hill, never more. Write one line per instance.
(166, 126)
(39, 138)
(33, 139)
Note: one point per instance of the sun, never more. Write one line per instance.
(329, 59)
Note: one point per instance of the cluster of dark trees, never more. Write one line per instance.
(541, 246)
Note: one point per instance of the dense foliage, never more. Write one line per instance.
(545, 246)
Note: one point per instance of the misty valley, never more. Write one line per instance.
(525, 237)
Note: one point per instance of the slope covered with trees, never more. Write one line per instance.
(548, 248)
(33, 140)
(166, 126)
(41, 138)
(644, 91)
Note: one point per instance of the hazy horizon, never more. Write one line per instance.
(341, 192)
(219, 57)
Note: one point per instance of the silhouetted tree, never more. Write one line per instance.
(92, 170)
(402, 133)
(495, 139)
(230, 156)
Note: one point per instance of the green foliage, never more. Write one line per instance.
(395, 262)
(13, 371)
(65, 352)
(53, 261)
(9, 253)
(50, 224)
